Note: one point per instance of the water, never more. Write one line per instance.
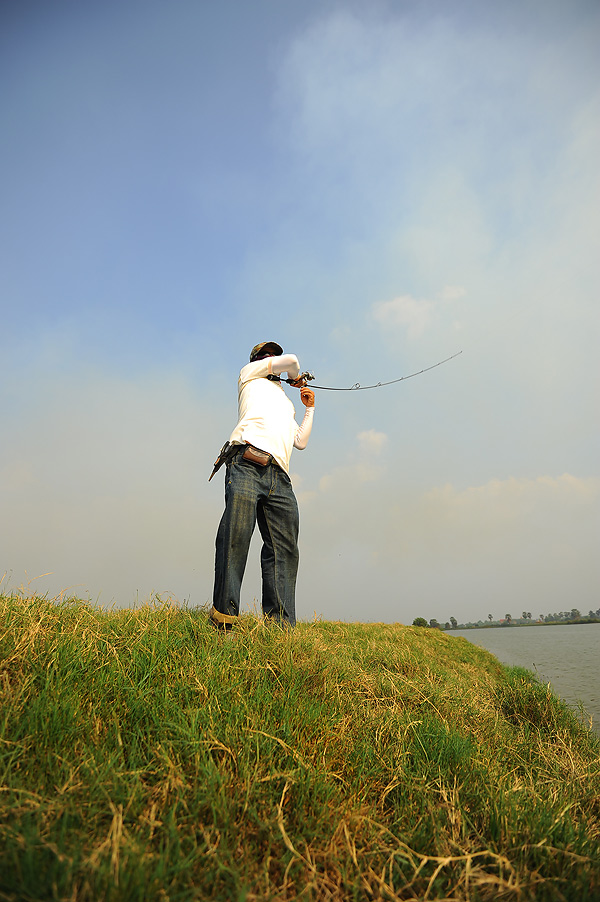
(567, 657)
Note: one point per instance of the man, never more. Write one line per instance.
(258, 487)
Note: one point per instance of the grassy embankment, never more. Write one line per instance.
(143, 757)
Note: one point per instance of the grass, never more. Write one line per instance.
(145, 757)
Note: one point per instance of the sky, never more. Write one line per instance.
(374, 186)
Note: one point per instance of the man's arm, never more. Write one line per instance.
(307, 396)
(259, 369)
(286, 363)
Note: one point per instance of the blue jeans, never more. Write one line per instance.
(265, 494)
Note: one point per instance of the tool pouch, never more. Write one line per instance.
(225, 455)
(262, 458)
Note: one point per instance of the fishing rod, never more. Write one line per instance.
(229, 449)
(309, 377)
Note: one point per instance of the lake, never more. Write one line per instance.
(567, 657)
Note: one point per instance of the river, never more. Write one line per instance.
(567, 657)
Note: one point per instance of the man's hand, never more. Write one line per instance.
(302, 380)
(307, 396)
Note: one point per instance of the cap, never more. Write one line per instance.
(265, 345)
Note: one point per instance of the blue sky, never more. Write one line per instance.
(375, 186)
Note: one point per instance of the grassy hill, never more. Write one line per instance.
(145, 757)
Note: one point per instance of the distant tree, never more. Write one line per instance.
(508, 618)
(575, 614)
(434, 624)
(529, 615)
(490, 617)
(540, 617)
(419, 621)
(524, 615)
(447, 625)
(454, 622)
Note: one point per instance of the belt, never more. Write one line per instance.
(248, 452)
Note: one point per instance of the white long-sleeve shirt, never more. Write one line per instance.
(266, 416)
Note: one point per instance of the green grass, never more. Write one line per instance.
(145, 757)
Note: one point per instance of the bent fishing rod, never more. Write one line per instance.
(301, 382)
(303, 378)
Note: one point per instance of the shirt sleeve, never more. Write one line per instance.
(303, 431)
(285, 363)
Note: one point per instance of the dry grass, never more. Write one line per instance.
(144, 757)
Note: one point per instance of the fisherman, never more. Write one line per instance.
(258, 487)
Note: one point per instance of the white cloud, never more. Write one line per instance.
(527, 515)
(404, 311)
(371, 442)
(452, 292)
(415, 315)
(365, 465)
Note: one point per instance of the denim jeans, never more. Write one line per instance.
(264, 494)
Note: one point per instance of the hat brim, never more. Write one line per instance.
(266, 346)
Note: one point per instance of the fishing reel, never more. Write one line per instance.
(302, 378)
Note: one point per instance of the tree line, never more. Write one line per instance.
(572, 616)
